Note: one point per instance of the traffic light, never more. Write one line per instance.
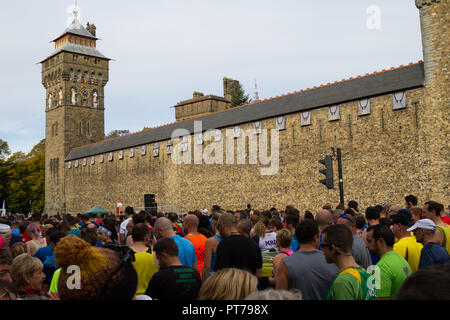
(328, 172)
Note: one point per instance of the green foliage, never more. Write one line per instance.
(238, 97)
(22, 180)
(116, 133)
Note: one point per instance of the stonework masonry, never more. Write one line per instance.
(386, 154)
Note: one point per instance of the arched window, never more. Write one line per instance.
(80, 128)
(71, 75)
(78, 75)
(99, 77)
(89, 128)
(85, 76)
(50, 100)
(60, 97)
(55, 100)
(92, 80)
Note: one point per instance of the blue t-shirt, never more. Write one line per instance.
(43, 253)
(186, 251)
(433, 253)
(295, 245)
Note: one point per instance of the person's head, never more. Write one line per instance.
(372, 215)
(432, 210)
(353, 204)
(226, 225)
(348, 221)
(272, 294)
(18, 248)
(291, 211)
(260, 229)
(430, 283)
(5, 264)
(274, 225)
(89, 235)
(393, 209)
(163, 228)
(26, 271)
(104, 274)
(5, 234)
(104, 235)
(307, 232)
(360, 221)
(7, 290)
(85, 218)
(400, 222)
(380, 239)
(34, 231)
(309, 215)
(284, 238)
(228, 284)
(109, 224)
(337, 241)
(324, 218)
(166, 250)
(138, 218)
(416, 214)
(129, 211)
(190, 223)
(411, 201)
(423, 230)
(140, 233)
(244, 227)
(291, 221)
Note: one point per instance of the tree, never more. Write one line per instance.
(4, 149)
(116, 133)
(239, 98)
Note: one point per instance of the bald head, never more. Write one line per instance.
(324, 218)
(163, 228)
(190, 223)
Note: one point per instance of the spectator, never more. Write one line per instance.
(416, 214)
(44, 252)
(393, 269)
(173, 217)
(284, 238)
(89, 235)
(211, 247)
(429, 283)
(128, 237)
(352, 280)
(236, 251)
(190, 225)
(271, 294)
(274, 225)
(27, 275)
(228, 284)
(5, 235)
(123, 232)
(7, 290)
(359, 250)
(173, 281)
(49, 263)
(5, 264)
(186, 250)
(307, 269)
(393, 209)
(36, 240)
(144, 264)
(373, 218)
(432, 210)
(291, 223)
(432, 252)
(411, 201)
(324, 219)
(72, 222)
(104, 235)
(105, 274)
(353, 205)
(245, 226)
(18, 248)
(406, 246)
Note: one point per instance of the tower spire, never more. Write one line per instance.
(256, 96)
(75, 10)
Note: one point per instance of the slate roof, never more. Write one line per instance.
(77, 28)
(78, 49)
(375, 84)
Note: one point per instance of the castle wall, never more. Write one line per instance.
(381, 155)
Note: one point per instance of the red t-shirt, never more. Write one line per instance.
(446, 220)
(198, 241)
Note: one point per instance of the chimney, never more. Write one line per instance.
(198, 94)
(229, 87)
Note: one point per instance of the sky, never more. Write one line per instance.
(164, 50)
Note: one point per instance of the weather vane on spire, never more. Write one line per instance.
(256, 96)
(75, 10)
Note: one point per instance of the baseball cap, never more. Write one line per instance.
(426, 224)
(403, 217)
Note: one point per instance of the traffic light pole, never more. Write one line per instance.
(341, 182)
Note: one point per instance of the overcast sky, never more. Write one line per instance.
(163, 50)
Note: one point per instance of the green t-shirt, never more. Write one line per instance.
(54, 283)
(352, 284)
(394, 269)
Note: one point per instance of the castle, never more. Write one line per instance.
(392, 127)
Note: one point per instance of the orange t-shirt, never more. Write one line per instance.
(198, 241)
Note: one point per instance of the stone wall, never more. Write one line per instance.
(381, 154)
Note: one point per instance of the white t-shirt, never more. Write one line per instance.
(123, 227)
(269, 241)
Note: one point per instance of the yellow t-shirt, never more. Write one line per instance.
(445, 236)
(410, 250)
(54, 283)
(145, 268)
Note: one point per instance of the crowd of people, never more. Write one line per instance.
(344, 253)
